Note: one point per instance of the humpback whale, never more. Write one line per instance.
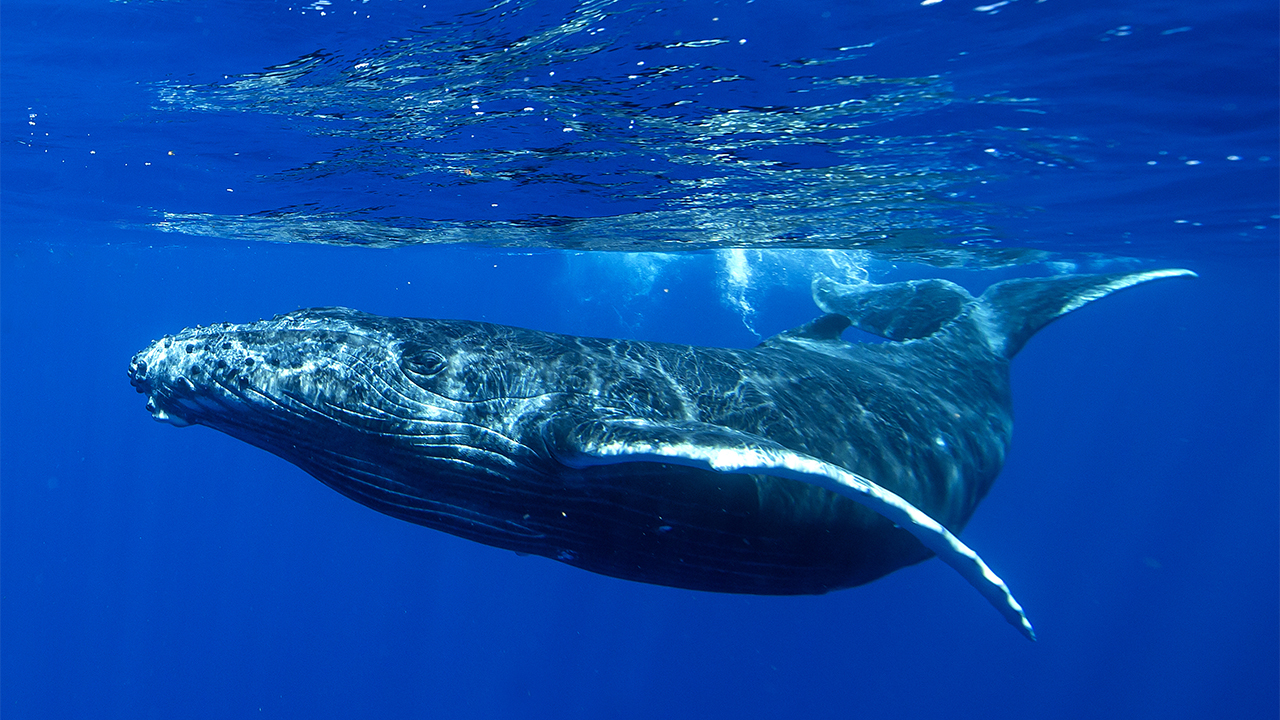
(805, 464)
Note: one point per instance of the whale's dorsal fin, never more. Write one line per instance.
(826, 328)
(897, 311)
(586, 443)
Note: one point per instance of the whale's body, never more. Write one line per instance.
(803, 465)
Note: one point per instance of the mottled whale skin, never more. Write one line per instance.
(805, 464)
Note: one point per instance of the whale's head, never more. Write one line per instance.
(331, 363)
(337, 390)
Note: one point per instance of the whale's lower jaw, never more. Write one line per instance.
(165, 417)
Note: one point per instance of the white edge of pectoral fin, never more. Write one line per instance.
(770, 459)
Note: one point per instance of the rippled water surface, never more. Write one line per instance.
(948, 133)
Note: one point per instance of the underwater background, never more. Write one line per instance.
(668, 171)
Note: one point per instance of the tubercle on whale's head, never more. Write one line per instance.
(291, 374)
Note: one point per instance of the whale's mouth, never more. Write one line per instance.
(141, 381)
(160, 415)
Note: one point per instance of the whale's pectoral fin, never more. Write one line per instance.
(1017, 309)
(711, 447)
(1010, 311)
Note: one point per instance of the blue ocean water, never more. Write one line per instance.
(662, 171)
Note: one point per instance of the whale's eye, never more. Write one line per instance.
(420, 362)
